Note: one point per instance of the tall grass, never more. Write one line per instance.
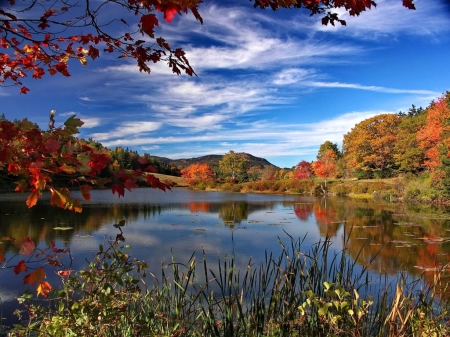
(303, 291)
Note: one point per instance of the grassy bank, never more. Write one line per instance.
(304, 291)
(408, 188)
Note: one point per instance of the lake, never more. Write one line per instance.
(413, 238)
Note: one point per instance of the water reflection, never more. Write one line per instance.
(389, 237)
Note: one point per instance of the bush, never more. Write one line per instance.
(340, 189)
(295, 294)
(386, 195)
(360, 188)
(376, 186)
(420, 189)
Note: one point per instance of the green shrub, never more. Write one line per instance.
(376, 186)
(360, 188)
(301, 292)
(340, 189)
(420, 189)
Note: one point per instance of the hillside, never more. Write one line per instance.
(213, 161)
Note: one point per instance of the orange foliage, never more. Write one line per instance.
(326, 166)
(370, 145)
(435, 133)
(197, 172)
(43, 288)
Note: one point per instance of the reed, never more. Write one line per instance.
(303, 291)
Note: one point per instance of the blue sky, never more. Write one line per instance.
(273, 84)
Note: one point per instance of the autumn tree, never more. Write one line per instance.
(303, 170)
(434, 138)
(325, 166)
(254, 173)
(234, 166)
(197, 172)
(408, 155)
(40, 161)
(41, 37)
(269, 173)
(369, 146)
(327, 145)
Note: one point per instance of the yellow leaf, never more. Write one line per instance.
(26, 48)
(43, 288)
(67, 169)
(59, 198)
(82, 60)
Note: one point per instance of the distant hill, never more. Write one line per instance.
(213, 161)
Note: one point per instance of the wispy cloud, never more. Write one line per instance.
(128, 129)
(265, 139)
(271, 84)
(371, 88)
(391, 18)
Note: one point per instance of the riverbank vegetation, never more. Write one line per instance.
(304, 291)
(404, 156)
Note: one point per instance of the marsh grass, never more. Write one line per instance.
(302, 291)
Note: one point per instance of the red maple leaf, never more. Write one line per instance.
(148, 23)
(119, 189)
(27, 247)
(21, 266)
(57, 250)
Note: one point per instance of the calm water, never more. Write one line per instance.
(400, 237)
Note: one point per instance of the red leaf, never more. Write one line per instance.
(148, 23)
(119, 189)
(409, 4)
(27, 247)
(155, 182)
(52, 145)
(34, 277)
(151, 168)
(142, 161)
(64, 273)
(56, 250)
(86, 192)
(21, 266)
(169, 11)
(24, 90)
(130, 183)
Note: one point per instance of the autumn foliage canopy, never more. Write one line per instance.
(41, 37)
(197, 173)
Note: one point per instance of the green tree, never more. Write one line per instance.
(408, 155)
(328, 146)
(234, 166)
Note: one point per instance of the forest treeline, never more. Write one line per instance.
(412, 147)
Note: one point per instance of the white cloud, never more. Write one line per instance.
(91, 122)
(263, 139)
(390, 18)
(371, 88)
(128, 129)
